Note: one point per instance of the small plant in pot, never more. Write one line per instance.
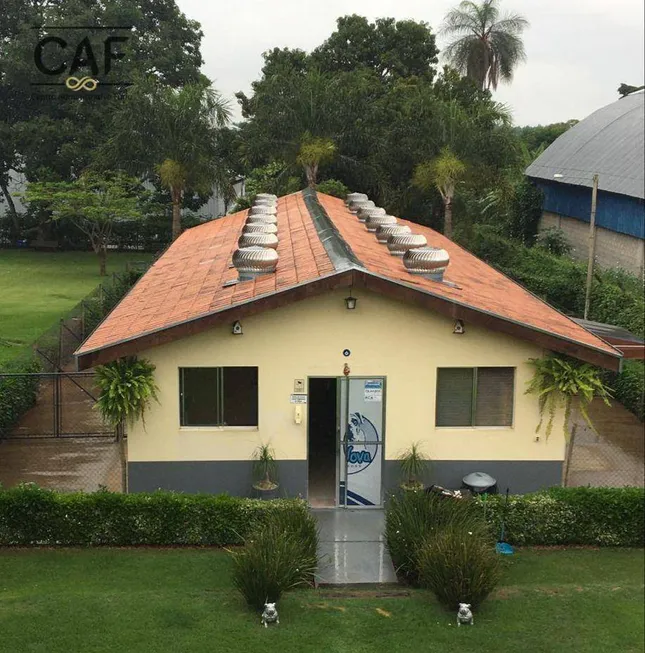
(265, 472)
(413, 463)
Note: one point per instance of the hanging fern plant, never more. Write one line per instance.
(127, 387)
(556, 381)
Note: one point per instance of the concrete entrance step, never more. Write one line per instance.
(352, 547)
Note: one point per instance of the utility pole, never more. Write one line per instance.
(592, 244)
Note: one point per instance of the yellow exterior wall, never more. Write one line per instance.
(403, 343)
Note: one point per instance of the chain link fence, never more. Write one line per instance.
(62, 442)
(612, 455)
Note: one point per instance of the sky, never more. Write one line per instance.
(578, 51)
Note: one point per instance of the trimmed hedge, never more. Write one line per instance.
(30, 515)
(571, 516)
(17, 393)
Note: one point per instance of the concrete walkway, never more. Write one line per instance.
(352, 547)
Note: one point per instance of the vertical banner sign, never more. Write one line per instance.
(362, 442)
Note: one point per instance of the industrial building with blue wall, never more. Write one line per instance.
(609, 143)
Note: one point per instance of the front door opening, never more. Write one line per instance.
(322, 442)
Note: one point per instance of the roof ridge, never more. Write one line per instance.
(338, 249)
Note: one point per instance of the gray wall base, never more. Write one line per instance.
(213, 476)
(520, 476)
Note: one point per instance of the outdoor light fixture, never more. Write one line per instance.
(459, 327)
(236, 330)
(557, 175)
(350, 302)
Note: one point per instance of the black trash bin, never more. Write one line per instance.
(479, 483)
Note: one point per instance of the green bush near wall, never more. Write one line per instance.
(616, 296)
(17, 393)
(628, 387)
(571, 516)
(30, 515)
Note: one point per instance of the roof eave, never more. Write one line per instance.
(357, 277)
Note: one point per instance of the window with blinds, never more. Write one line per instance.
(218, 396)
(475, 396)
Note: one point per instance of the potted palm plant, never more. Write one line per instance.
(413, 463)
(265, 472)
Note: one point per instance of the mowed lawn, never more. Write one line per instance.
(38, 288)
(153, 600)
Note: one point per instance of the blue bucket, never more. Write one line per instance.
(504, 548)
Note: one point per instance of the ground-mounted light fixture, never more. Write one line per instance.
(459, 327)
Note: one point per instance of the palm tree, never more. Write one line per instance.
(313, 152)
(486, 47)
(441, 173)
(172, 133)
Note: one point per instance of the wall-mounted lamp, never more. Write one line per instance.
(236, 330)
(459, 327)
(350, 303)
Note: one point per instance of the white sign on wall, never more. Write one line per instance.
(374, 390)
(299, 399)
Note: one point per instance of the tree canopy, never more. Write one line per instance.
(485, 46)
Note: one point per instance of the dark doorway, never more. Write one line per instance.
(322, 442)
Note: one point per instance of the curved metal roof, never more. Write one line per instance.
(609, 142)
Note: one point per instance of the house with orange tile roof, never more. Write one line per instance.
(339, 335)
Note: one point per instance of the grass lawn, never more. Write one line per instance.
(38, 288)
(55, 601)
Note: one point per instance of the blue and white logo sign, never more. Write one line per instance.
(361, 443)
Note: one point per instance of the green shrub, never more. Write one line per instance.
(628, 387)
(616, 296)
(412, 517)
(458, 566)
(571, 516)
(553, 241)
(281, 555)
(30, 515)
(333, 187)
(17, 393)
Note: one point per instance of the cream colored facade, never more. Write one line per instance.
(386, 338)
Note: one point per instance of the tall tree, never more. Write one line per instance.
(47, 139)
(172, 133)
(94, 203)
(391, 48)
(485, 46)
(442, 173)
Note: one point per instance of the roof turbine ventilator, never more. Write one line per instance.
(364, 213)
(400, 244)
(259, 228)
(384, 231)
(355, 196)
(262, 218)
(254, 261)
(258, 239)
(263, 210)
(264, 201)
(354, 205)
(373, 222)
(429, 262)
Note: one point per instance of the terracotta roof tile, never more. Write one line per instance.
(479, 285)
(187, 281)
